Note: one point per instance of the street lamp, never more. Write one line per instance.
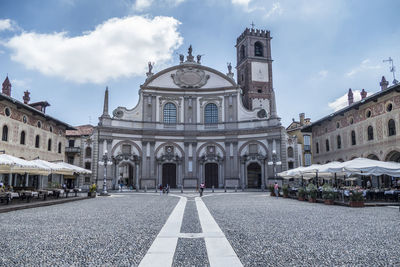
(274, 162)
(105, 161)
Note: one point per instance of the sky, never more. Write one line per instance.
(67, 51)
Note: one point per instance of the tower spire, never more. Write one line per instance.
(105, 107)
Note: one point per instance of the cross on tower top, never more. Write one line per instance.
(252, 25)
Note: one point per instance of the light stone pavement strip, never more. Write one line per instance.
(219, 251)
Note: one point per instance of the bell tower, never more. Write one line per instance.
(254, 70)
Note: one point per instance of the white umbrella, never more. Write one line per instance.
(76, 169)
(54, 168)
(11, 164)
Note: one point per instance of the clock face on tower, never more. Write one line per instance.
(259, 72)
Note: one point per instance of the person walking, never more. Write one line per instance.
(160, 188)
(202, 186)
(276, 189)
(167, 189)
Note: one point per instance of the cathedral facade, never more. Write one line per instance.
(194, 124)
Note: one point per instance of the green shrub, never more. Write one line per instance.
(327, 192)
(312, 191)
(285, 190)
(92, 188)
(356, 196)
(301, 192)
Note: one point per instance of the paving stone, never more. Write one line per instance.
(106, 231)
(191, 222)
(190, 252)
(265, 231)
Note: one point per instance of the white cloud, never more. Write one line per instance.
(241, 2)
(120, 47)
(364, 66)
(20, 83)
(342, 101)
(141, 5)
(6, 25)
(276, 9)
(323, 73)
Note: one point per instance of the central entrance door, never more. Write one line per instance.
(254, 175)
(169, 175)
(211, 175)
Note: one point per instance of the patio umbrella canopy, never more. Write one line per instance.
(76, 169)
(11, 164)
(54, 168)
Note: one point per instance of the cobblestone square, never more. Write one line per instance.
(262, 230)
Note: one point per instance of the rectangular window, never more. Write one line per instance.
(190, 166)
(307, 140)
(71, 160)
(307, 159)
(87, 165)
(71, 143)
(87, 179)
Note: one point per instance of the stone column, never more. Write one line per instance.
(9, 179)
(179, 176)
(137, 175)
(262, 173)
(221, 174)
(26, 179)
(201, 172)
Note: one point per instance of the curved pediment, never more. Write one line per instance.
(189, 76)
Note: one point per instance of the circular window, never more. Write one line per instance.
(337, 125)
(368, 114)
(389, 107)
(51, 129)
(7, 112)
(39, 124)
(24, 119)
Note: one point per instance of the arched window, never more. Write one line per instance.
(258, 49)
(88, 152)
(211, 113)
(339, 142)
(22, 139)
(391, 127)
(370, 132)
(169, 113)
(290, 152)
(37, 141)
(4, 137)
(59, 147)
(327, 145)
(49, 145)
(242, 53)
(353, 138)
(317, 148)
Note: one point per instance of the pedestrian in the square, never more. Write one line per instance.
(276, 189)
(160, 187)
(202, 185)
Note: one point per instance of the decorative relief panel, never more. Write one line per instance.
(190, 77)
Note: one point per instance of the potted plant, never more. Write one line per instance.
(328, 194)
(285, 190)
(271, 189)
(301, 194)
(356, 199)
(92, 190)
(312, 193)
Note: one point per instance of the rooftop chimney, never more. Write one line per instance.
(6, 87)
(384, 84)
(363, 94)
(26, 97)
(301, 115)
(350, 97)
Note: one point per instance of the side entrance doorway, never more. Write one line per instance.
(211, 175)
(254, 175)
(169, 175)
